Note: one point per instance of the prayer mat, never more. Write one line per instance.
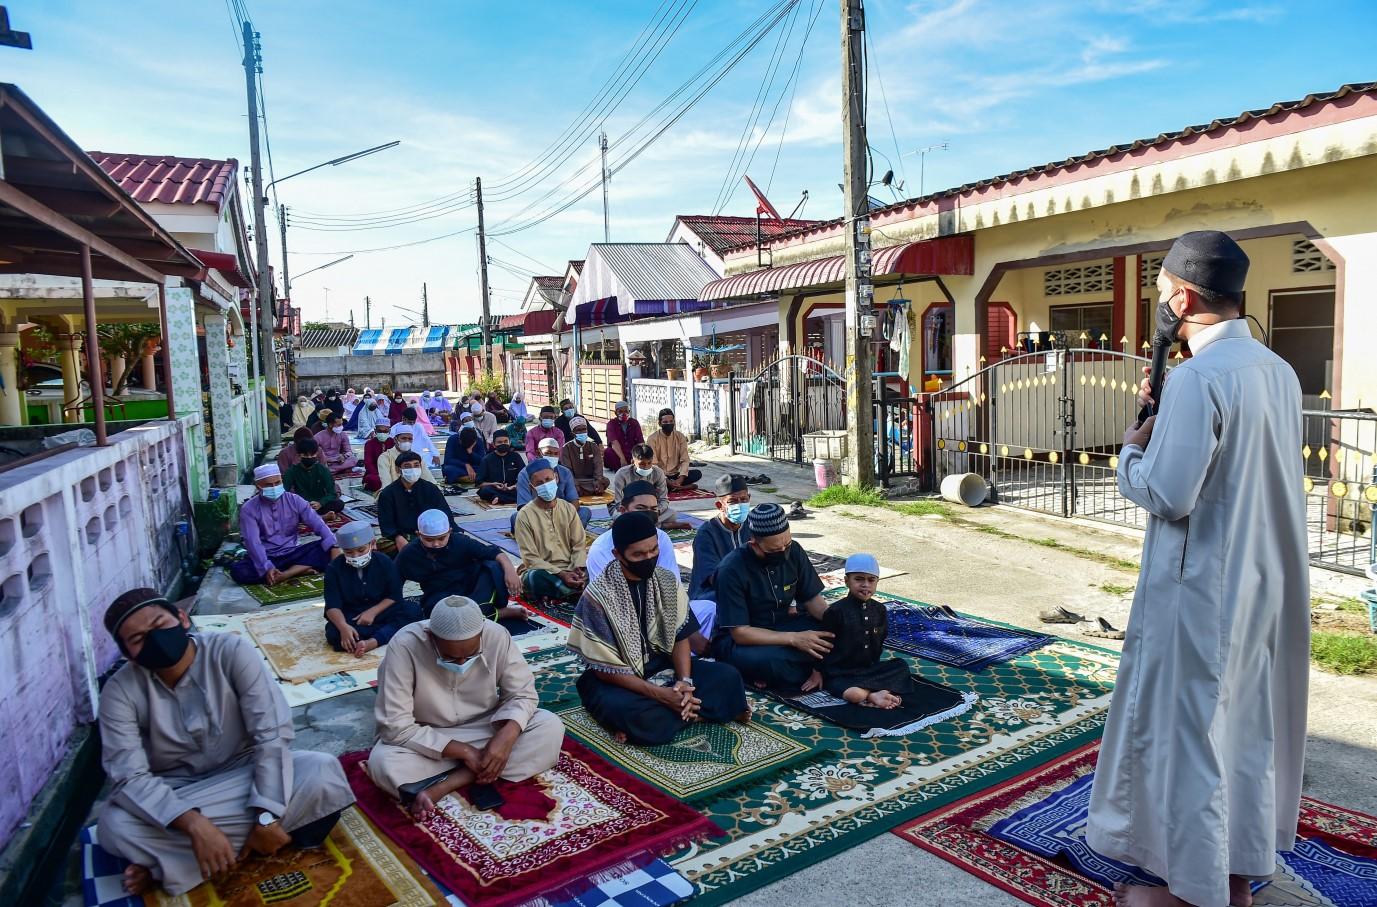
(357, 867)
(293, 641)
(627, 885)
(594, 500)
(1030, 710)
(494, 532)
(292, 590)
(491, 505)
(1027, 836)
(924, 703)
(943, 636)
(600, 525)
(602, 818)
(460, 505)
(703, 761)
(690, 494)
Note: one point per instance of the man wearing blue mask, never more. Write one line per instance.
(551, 539)
(582, 456)
(715, 540)
(268, 523)
(457, 705)
(548, 454)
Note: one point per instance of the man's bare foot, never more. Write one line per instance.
(883, 699)
(1146, 896)
(744, 717)
(1240, 892)
(137, 879)
(364, 647)
(619, 736)
(422, 807)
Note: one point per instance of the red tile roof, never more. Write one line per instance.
(170, 180)
(550, 283)
(723, 233)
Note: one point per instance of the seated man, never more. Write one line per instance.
(672, 455)
(402, 441)
(195, 737)
(623, 433)
(632, 622)
(464, 454)
(430, 455)
(268, 523)
(335, 450)
(288, 455)
(456, 705)
(552, 540)
(565, 422)
(543, 429)
(483, 420)
(364, 607)
(379, 442)
(500, 472)
(643, 469)
(714, 540)
(769, 608)
(639, 497)
(566, 489)
(446, 562)
(309, 478)
(583, 458)
(401, 503)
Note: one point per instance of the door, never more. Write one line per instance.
(1303, 335)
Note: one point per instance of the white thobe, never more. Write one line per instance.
(1200, 772)
(217, 742)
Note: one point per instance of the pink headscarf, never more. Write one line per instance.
(422, 419)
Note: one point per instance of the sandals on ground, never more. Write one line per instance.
(1106, 630)
(1061, 616)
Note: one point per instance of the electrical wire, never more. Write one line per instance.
(404, 245)
(879, 77)
(788, 111)
(545, 267)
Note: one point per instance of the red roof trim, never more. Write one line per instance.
(946, 255)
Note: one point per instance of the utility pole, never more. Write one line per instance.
(606, 222)
(425, 307)
(286, 277)
(367, 312)
(351, 318)
(252, 67)
(860, 317)
(483, 276)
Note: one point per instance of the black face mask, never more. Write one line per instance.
(644, 569)
(308, 463)
(1168, 322)
(503, 450)
(163, 648)
(667, 429)
(772, 558)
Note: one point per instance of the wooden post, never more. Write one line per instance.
(93, 364)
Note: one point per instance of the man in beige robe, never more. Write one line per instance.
(195, 742)
(457, 704)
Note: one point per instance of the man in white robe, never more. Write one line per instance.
(1199, 777)
(195, 742)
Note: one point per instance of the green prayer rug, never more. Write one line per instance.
(1031, 709)
(292, 590)
(702, 761)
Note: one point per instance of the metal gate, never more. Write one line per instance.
(785, 400)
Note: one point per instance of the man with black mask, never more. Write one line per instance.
(632, 623)
(672, 454)
(195, 741)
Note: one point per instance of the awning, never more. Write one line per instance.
(947, 255)
(724, 319)
(370, 343)
(512, 322)
(435, 339)
(397, 341)
(651, 307)
(539, 322)
(599, 311)
(226, 264)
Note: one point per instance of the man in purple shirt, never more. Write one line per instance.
(543, 429)
(268, 522)
(623, 434)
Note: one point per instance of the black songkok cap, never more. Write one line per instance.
(1208, 259)
(630, 528)
(726, 484)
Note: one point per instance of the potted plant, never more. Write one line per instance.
(701, 366)
(674, 374)
(718, 367)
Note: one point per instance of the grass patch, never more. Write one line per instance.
(767, 489)
(1344, 654)
(1115, 589)
(847, 494)
(1353, 605)
(921, 508)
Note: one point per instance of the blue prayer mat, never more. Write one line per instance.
(947, 638)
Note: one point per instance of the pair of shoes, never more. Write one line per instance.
(1106, 630)
(796, 511)
(759, 479)
(1061, 616)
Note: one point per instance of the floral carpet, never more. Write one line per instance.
(1030, 710)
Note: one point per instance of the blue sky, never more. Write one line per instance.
(479, 89)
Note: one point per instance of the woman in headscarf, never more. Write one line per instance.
(422, 419)
(365, 417)
(302, 413)
(441, 409)
(351, 400)
(396, 408)
(494, 406)
(517, 428)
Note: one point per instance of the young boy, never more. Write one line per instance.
(855, 669)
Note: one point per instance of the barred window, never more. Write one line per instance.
(1306, 257)
(1080, 279)
(1152, 266)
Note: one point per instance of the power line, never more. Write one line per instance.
(404, 245)
(793, 91)
(547, 268)
(898, 155)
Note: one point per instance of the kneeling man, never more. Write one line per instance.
(457, 704)
(632, 622)
(195, 741)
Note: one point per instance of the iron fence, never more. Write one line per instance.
(787, 399)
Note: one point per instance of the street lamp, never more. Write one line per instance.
(922, 161)
(282, 209)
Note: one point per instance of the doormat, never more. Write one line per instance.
(689, 494)
(1027, 836)
(292, 590)
(357, 867)
(702, 761)
(601, 818)
(293, 641)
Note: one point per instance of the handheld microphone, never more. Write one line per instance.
(1162, 343)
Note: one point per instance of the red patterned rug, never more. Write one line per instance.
(599, 817)
(692, 494)
(1332, 865)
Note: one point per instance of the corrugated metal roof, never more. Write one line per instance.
(1166, 138)
(722, 233)
(319, 340)
(653, 271)
(170, 180)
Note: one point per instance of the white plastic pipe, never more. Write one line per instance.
(965, 488)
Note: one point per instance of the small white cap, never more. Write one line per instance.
(267, 470)
(433, 522)
(456, 618)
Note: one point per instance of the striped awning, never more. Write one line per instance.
(671, 306)
(370, 343)
(434, 340)
(946, 255)
(599, 311)
(396, 342)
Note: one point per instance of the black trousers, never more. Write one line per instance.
(648, 723)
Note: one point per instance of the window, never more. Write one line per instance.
(1151, 267)
(1079, 279)
(937, 333)
(1306, 258)
(1089, 320)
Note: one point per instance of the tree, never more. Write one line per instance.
(315, 326)
(130, 342)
